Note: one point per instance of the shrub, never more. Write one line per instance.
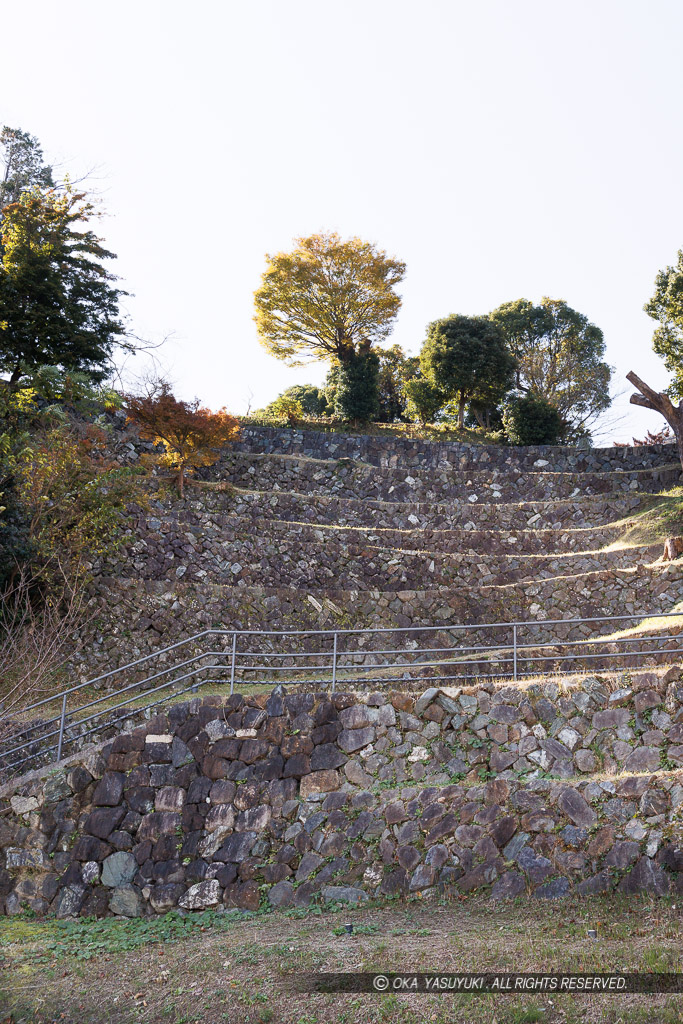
(530, 420)
(285, 408)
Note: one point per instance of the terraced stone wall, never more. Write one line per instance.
(346, 478)
(293, 798)
(389, 451)
(137, 618)
(326, 530)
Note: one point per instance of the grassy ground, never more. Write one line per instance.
(242, 968)
(661, 517)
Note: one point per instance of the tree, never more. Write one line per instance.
(467, 358)
(312, 399)
(63, 503)
(531, 419)
(423, 399)
(192, 436)
(666, 307)
(660, 402)
(485, 415)
(24, 167)
(559, 356)
(395, 369)
(356, 396)
(287, 408)
(58, 305)
(61, 495)
(327, 299)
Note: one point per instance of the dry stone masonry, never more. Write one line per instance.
(290, 798)
(308, 530)
(286, 799)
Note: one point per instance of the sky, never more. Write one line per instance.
(501, 150)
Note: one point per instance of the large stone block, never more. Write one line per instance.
(109, 790)
(158, 823)
(202, 895)
(327, 755)
(118, 869)
(351, 740)
(236, 847)
(104, 821)
(319, 782)
(170, 798)
(571, 803)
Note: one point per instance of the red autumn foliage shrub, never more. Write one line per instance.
(191, 435)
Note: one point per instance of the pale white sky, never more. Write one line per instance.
(501, 149)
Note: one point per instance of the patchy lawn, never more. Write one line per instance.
(241, 968)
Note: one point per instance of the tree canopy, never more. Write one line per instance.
(559, 356)
(58, 304)
(24, 167)
(531, 419)
(356, 395)
(666, 307)
(191, 435)
(311, 398)
(424, 399)
(467, 359)
(395, 370)
(327, 299)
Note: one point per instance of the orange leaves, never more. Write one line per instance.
(191, 435)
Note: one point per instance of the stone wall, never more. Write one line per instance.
(221, 509)
(329, 530)
(203, 545)
(346, 478)
(287, 799)
(133, 618)
(394, 451)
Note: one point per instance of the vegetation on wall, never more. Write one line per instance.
(190, 435)
(63, 500)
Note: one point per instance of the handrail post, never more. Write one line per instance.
(61, 729)
(334, 664)
(514, 651)
(232, 666)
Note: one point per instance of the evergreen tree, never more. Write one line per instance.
(467, 359)
(357, 392)
(58, 303)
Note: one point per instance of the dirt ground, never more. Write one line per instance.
(247, 968)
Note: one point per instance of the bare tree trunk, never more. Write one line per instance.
(461, 412)
(659, 402)
(181, 480)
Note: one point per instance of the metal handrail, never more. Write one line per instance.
(504, 660)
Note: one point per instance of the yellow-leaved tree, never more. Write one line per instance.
(327, 299)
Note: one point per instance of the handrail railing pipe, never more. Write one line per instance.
(534, 648)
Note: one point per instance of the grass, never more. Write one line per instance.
(242, 968)
(661, 517)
